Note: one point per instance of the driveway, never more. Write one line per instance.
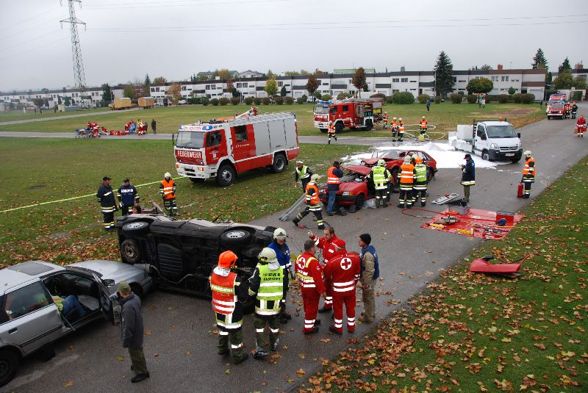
(180, 344)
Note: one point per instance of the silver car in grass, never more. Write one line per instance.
(41, 302)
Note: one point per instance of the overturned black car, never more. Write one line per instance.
(182, 253)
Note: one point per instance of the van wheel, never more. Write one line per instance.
(226, 175)
(279, 163)
(130, 251)
(485, 155)
(9, 361)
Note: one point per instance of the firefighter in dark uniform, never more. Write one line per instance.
(107, 202)
(302, 173)
(128, 195)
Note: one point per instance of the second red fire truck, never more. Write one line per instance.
(355, 114)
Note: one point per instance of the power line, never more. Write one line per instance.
(78, 62)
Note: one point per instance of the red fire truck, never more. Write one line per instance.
(224, 149)
(355, 114)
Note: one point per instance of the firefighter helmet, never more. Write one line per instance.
(280, 233)
(400, 119)
(394, 118)
(381, 162)
(407, 159)
(423, 117)
(315, 177)
(167, 175)
(528, 153)
(267, 255)
(418, 159)
(227, 259)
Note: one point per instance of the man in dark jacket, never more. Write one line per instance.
(154, 126)
(107, 202)
(128, 196)
(468, 177)
(132, 331)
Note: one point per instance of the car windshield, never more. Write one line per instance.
(190, 139)
(390, 154)
(556, 105)
(501, 132)
(350, 176)
(321, 109)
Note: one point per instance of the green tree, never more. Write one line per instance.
(549, 78)
(564, 80)
(565, 66)
(283, 91)
(579, 83)
(485, 67)
(539, 60)
(106, 94)
(224, 74)
(359, 80)
(271, 87)
(160, 80)
(312, 84)
(67, 101)
(147, 82)
(291, 73)
(270, 75)
(443, 75)
(175, 92)
(129, 91)
(511, 90)
(479, 85)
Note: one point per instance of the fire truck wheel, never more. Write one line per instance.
(339, 127)
(226, 175)
(279, 163)
(369, 125)
(323, 130)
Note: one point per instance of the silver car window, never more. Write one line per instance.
(26, 300)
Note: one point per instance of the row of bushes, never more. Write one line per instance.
(458, 98)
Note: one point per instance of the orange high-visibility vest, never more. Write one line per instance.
(331, 178)
(313, 199)
(423, 124)
(168, 189)
(529, 170)
(407, 174)
(224, 298)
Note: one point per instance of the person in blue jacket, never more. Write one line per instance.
(283, 254)
(128, 195)
(468, 177)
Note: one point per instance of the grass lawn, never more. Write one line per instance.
(52, 169)
(444, 116)
(474, 333)
(30, 115)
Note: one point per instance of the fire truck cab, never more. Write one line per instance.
(353, 113)
(224, 149)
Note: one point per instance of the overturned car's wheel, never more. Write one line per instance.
(235, 238)
(130, 251)
(9, 361)
(136, 227)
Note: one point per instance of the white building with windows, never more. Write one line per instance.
(90, 97)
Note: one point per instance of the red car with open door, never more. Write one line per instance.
(354, 189)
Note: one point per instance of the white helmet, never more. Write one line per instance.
(280, 233)
(381, 162)
(267, 255)
(167, 175)
(400, 119)
(315, 177)
(528, 153)
(407, 159)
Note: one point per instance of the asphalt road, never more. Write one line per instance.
(180, 345)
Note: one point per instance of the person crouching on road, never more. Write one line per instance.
(132, 330)
(341, 274)
(283, 254)
(528, 174)
(167, 189)
(268, 285)
(313, 203)
(302, 173)
(227, 294)
(310, 276)
(128, 196)
(468, 177)
(370, 271)
(420, 181)
(107, 202)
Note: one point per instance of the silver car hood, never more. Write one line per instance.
(110, 270)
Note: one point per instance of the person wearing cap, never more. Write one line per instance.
(128, 195)
(167, 189)
(468, 177)
(107, 203)
(268, 285)
(302, 173)
(370, 272)
(227, 304)
(132, 330)
(334, 175)
(313, 203)
(283, 254)
(528, 174)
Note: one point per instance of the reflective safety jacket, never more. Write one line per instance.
(529, 168)
(420, 173)
(401, 128)
(424, 124)
(309, 273)
(329, 247)
(312, 194)
(268, 285)
(342, 272)
(168, 189)
(302, 173)
(128, 195)
(224, 292)
(380, 176)
(332, 177)
(106, 199)
(406, 174)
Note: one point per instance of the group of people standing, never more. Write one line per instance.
(140, 127)
(335, 277)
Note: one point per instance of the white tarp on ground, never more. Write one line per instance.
(442, 152)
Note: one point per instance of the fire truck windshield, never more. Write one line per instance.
(190, 139)
(321, 109)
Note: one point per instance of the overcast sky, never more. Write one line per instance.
(126, 39)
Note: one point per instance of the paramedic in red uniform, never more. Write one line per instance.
(341, 274)
(329, 245)
(310, 276)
